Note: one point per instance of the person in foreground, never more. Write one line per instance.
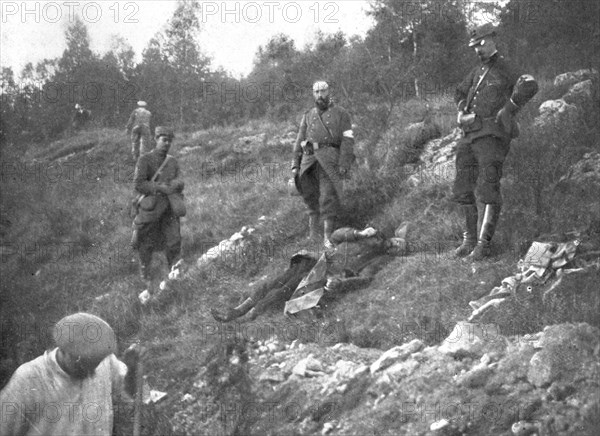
(70, 390)
(488, 100)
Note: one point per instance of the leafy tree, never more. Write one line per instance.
(421, 40)
(78, 52)
(182, 52)
(552, 37)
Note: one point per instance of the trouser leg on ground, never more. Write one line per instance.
(313, 226)
(233, 313)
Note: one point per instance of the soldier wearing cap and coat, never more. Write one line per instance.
(70, 390)
(80, 117)
(156, 225)
(488, 99)
(323, 154)
(139, 126)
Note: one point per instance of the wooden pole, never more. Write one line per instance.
(139, 388)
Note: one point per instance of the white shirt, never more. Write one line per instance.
(42, 399)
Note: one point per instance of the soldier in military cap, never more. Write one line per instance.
(70, 389)
(156, 225)
(139, 126)
(323, 154)
(487, 99)
(80, 117)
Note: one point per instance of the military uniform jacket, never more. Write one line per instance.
(139, 117)
(352, 254)
(145, 169)
(491, 95)
(337, 120)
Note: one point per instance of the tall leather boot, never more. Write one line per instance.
(488, 228)
(313, 227)
(328, 230)
(470, 235)
(231, 314)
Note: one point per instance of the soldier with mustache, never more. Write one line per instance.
(323, 154)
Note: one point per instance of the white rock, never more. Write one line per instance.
(396, 354)
(308, 367)
(438, 425)
(327, 427)
(188, 398)
(466, 339)
(144, 296)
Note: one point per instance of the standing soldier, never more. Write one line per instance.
(139, 126)
(323, 154)
(156, 225)
(80, 117)
(488, 100)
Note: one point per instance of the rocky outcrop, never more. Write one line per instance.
(556, 112)
(476, 381)
(567, 350)
(437, 161)
(585, 173)
(571, 78)
(404, 146)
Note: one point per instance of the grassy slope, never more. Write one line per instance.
(418, 296)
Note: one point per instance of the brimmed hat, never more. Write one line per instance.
(320, 85)
(163, 130)
(141, 103)
(481, 32)
(85, 335)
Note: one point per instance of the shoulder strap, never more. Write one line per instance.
(472, 94)
(160, 168)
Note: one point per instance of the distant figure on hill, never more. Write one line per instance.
(80, 117)
(71, 389)
(139, 126)
(160, 204)
(488, 100)
(323, 154)
(351, 264)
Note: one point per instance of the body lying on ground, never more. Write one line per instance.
(353, 262)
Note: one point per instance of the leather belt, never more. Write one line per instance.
(317, 145)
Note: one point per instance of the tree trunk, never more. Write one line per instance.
(415, 52)
(181, 93)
